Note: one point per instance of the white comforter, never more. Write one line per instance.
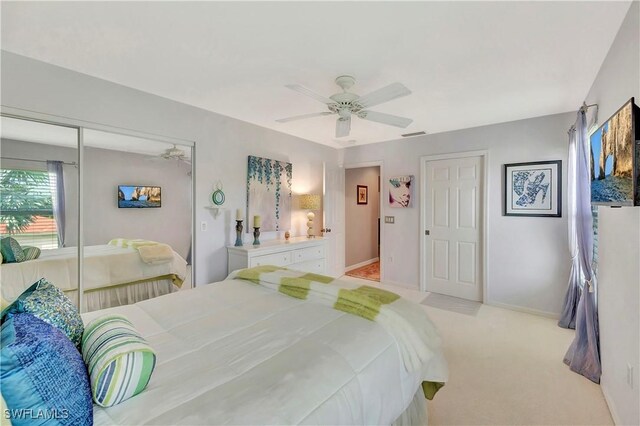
(104, 266)
(236, 353)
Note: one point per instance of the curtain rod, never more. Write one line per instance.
(73, 163)
(584, 108)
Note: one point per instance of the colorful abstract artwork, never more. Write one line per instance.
(269, 193)
(533, 189)
(400, 191)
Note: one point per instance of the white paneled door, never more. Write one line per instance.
(452, 216)
(333, 212)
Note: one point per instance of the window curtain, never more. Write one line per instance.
(574, 288)
(583, 356)
(56, 184)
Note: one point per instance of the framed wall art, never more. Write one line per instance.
(269, 193)
(533, 189)
(363, 194)
(400, 191)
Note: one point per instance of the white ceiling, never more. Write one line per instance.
(467, 63)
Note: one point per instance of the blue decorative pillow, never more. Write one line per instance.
(48, 302)
(11, 250)
(44, 380)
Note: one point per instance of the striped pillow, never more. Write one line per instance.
(30, 252)
(119, 360)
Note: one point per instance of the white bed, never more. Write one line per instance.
(237, 353)
(113, 275)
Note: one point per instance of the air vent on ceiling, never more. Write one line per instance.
(408, 135)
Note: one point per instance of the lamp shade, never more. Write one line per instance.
(310, 202)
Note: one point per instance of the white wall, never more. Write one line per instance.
(361, 220)
(619, 233)
(528, 260)
(42, 152)
(222, 143)
(106, 169)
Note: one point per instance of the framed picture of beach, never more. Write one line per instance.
(615, 159)
(139, 197)
(533, 189)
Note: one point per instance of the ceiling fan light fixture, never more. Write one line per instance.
(343, 127)
(345, 104)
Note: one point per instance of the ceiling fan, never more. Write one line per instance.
(346, 104)
(175, 153)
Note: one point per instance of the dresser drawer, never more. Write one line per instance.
(276, 259)
(314, 266)
(309, 253)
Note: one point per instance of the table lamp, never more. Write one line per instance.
(310, 202)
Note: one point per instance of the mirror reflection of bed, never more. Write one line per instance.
(129, 254)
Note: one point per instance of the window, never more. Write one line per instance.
(26, 211)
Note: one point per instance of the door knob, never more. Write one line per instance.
(325, 230)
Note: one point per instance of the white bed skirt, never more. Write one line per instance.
(127, 294)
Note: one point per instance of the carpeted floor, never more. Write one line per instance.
(448, 303)
(505, 368)
(369, 272)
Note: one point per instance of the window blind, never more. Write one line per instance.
(26, 212)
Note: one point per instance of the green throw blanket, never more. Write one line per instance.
(418, 341)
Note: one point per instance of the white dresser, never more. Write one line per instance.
(301, 253)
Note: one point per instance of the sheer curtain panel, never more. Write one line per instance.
(583, 356)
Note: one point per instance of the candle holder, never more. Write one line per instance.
(238, 233)
(256, 236)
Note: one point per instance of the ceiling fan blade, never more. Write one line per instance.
(343, 127)
(311, 94)
(387, 93)
(380, 117)
(303, 116)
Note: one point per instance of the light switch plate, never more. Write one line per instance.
(389, 219)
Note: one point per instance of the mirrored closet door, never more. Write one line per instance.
(122, 204)
(39, 206)
(137, 212)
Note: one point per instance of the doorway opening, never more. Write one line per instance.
(362, 220)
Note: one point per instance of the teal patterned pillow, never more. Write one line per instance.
(11, 250)
(47, 302)
(31, 253)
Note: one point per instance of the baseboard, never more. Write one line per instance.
(610, 404)
(361, 264)
(552, 315)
